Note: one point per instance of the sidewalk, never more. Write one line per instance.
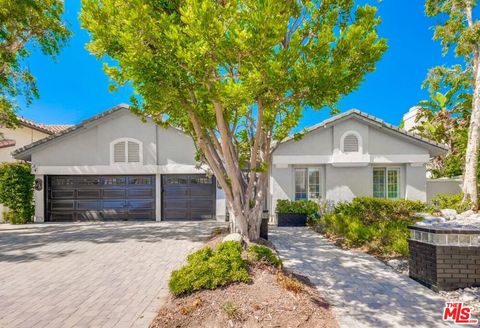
(362, 290)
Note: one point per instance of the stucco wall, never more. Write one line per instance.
(349, 175)
(443, 186)
(346, 183)
(22, 136)
(416, 186)
(92, 146)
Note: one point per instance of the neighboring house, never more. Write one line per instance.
(350, 155)
(26, 133)
(115, 167)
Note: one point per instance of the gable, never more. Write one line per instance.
(91, 143)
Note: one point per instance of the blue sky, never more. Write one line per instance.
(74, 86)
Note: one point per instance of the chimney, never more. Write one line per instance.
(409, 118)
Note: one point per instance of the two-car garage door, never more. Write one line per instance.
(128, 197)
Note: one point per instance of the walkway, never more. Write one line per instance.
(362, 290)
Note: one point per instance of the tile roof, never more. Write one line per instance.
(45, 128)
(5, 143)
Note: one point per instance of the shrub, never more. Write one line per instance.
(263, 254)
(380, 225)
(308, 207)
(209, 269)
(451, 201)
(16, 191)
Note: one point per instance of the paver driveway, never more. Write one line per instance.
(90, 274)
(362, 290)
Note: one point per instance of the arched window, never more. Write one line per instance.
(126, 150)
(351, 142)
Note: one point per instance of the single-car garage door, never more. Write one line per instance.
(88, 198)
(188, 197)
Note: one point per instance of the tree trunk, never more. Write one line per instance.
(470, 189)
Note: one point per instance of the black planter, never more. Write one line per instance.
(264, 229)
(291, 219)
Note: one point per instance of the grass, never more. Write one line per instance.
(231, 310)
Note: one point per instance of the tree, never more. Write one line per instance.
(25, 24)
(235, 74)
(459, 30)
(445, 117)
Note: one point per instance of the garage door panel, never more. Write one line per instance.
(143, 193)
(89, 205)
(114, 193)
(62, 194)
(188, 197)
(87, 198)
(89, 193)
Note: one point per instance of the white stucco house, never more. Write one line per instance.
(115, 167)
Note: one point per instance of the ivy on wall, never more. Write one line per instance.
(16, 192)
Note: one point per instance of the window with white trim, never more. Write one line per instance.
(350, 143)
(386, 182)
(307, 183)
(126, 151)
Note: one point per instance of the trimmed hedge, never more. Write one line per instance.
(378, 224)
(308, 207)
(16, 192)
(209, 269)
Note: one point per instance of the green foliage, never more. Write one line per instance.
(209, 269)
(16, 191)
(451, 201)
(25, 24)
(308, 207)
(264, 254)
(239, 71)
(378, 224)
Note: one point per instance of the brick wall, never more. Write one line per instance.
(444, 267)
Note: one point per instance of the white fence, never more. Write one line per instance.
(443, 186)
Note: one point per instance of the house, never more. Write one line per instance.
(26, 133)
(350, 155)
(116, 167)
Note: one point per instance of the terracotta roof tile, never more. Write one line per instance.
(5, 143)
(49, 129)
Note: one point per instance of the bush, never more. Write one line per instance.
(209, 269)
(451, 201)
(380, 225)
(263, 254)
(308, 207)
(16, 192)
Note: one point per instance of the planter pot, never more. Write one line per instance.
(291, 219)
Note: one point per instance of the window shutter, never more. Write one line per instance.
(133, 152)
(119, 152)
(350, 144)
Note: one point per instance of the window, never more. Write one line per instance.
(386, 182)
(307, 183)
(126, 150)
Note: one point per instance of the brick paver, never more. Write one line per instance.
(362, 290)
(90, 274)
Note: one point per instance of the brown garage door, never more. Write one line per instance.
(89, 198)
(188, 197)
